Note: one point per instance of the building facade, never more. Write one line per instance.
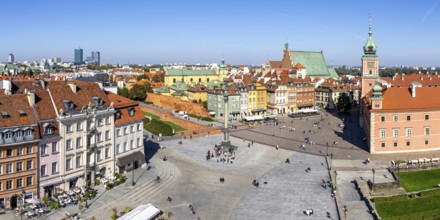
(78, 56)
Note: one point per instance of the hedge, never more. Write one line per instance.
(200, 117)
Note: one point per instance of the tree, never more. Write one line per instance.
(138, 92)
(143, 76)
(205, 104)
(344, 102)
(159, 78)
(124, 92)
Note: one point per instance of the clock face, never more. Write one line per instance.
(370, 64)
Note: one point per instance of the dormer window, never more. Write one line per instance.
(21, 112)
(68, 105)
(8, 135)
(18, 133)
(131, 112)
(98, 101)
(5, 114)
(49, 130)
(118, 115)
(28, 132)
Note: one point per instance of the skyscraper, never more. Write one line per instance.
(11, 58)
(96, 57)
(78, 56)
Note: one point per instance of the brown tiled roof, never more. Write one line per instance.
(85, 91)
(274, 64)
(11, 104)
(400, 99)
(125, 117)
(2, 91)
(119, 101)
(405, 80)
(298, 66)
(43, 103)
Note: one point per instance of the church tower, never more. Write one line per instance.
(223, 71)
(370, 64)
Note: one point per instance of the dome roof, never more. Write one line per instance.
(377, 87)
(370, 47)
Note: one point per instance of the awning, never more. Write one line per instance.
(142, 212)
(122, 161)
(258, 110)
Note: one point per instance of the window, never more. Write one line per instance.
(139, 142)
(427, 130)
(107, 135)
(9, 184)
(69, 128)
(382, 144)
(395, 144)
(68, 164)
(395, 132)
(28, 133)
(408, 132)
(382, 118)
(107, 152)
(54, 167)
(132, 128)
(1, 186)
(100, 122)
(131, 144)
(9, 152)
(118, 132)
(79, 126)
(395, 118)
(54, 147)
(49, 130)
(19, 183)
(408, 143)
(408, 117)
(43, 170)
(8, 135)
(125, 131)
(107, 120)
(19, 166)
(118, 148)
(426, 142)
(78, 142)
(125, 146)
(18, 134)
(98, 155)
(29, 149)
(78, 160)
(131, 112)
(88, 158)
(29, 165)
(28, 180)
(99, 137)
(19, 151)
(1, 171)
(9, 168)
(382, 133)
(426, 117)
(43, 150)
(69, 144)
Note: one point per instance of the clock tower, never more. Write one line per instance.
(370, 64)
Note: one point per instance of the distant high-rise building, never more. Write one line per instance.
(11, 58)
(57, 59)
(78, 56)
(96, 57)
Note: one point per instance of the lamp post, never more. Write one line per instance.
(327, 149)
(22, 203)
(132, 181)
(336, 176)
(372, 186)
(331, 160)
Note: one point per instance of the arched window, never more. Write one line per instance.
(200, 80)
(174, 80)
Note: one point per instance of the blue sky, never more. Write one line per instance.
(243, 31)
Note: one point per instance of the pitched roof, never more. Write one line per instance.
(274, 64)
(400, 99)
(405, 80)
(313, 61)
(119, 101)
(60, 91)
(43, 103)
(10, 106)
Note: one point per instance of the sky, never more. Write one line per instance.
(242, 31)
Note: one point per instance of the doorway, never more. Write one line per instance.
(14, 201)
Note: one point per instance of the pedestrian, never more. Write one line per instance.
(277, 147)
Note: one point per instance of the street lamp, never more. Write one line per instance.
(372, 187)
(336, 183)
(327, 149)
(331, 160)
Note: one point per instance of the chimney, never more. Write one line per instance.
(31, 97)
(7, 85)
(413, 91)
(72, 86)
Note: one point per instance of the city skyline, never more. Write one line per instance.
(244, 32)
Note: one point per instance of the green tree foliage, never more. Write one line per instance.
(138, 92)
(159, 78)
(205, 104)
(143, 76)
(344, 102)
(124, 92)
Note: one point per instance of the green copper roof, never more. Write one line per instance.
(377, 91)
(314, 63)
(180, 72)
(163, 89)
(370, 47)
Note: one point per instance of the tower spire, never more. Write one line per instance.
(370, 29)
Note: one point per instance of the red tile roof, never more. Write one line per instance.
(119, 101)
(12, 104)
(400, 99)
(274, 64)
